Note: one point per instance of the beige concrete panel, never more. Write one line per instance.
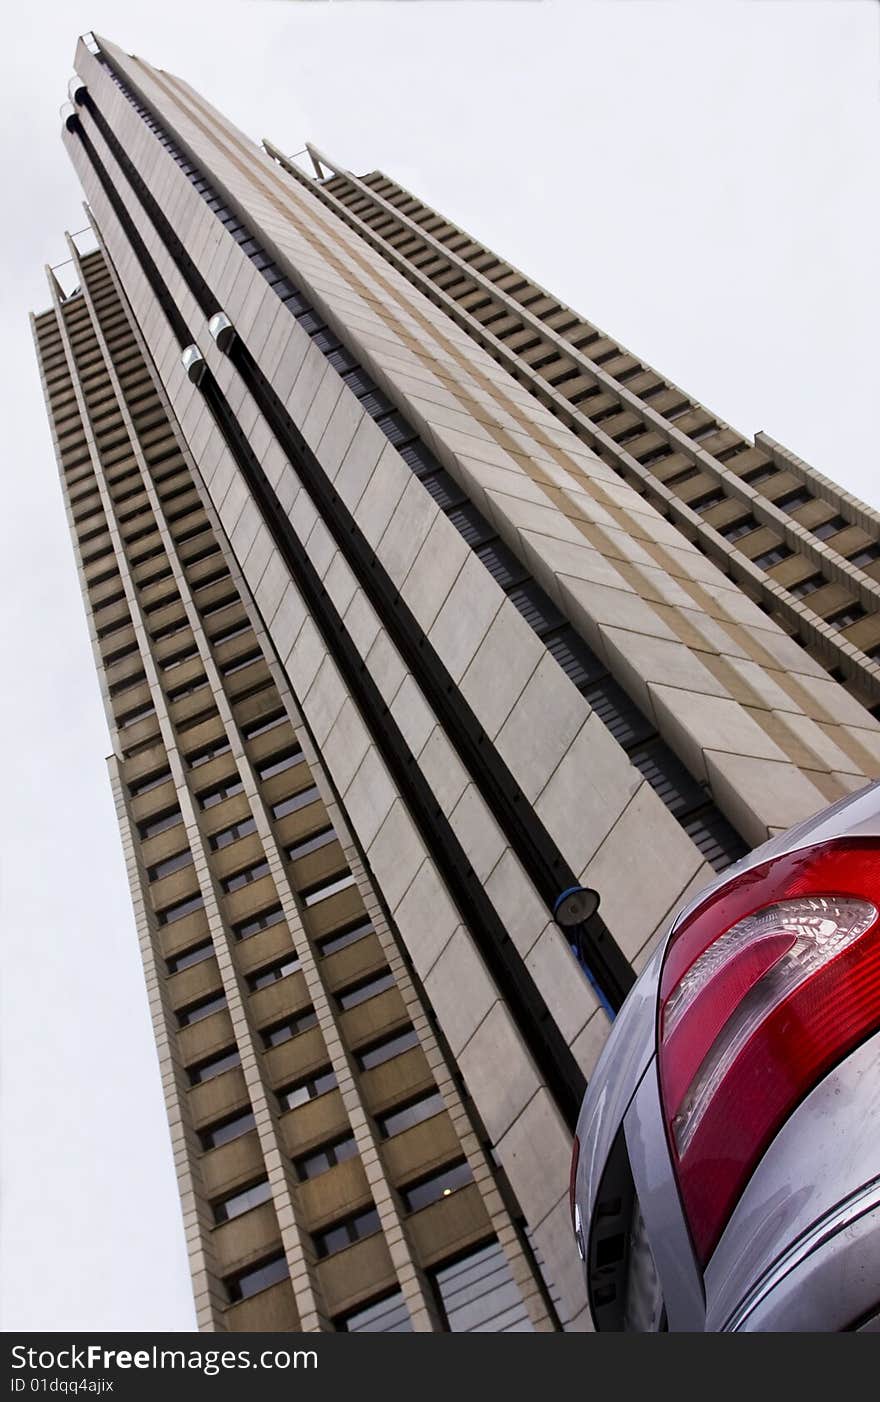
(498, 1071)
(500, 669)
(396, 853)
(426, 917)
(556, 971)
(694, 723)
(760, 794)
(587, 793)
(441, 556)
(369, 797)
(414, 515)
(477, 832)
(643, 865)
(412, 714)
(541, 727)
(536, 1153)
(379, 499)
(346, 744)
(443, 770)
(465, 617)
(462, 994)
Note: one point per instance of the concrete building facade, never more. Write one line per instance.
(401, 635)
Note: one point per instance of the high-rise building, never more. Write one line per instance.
(416, 603)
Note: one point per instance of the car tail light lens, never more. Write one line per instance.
(764, 988)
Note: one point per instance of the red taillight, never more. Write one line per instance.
(572, 1176)
(764, 988)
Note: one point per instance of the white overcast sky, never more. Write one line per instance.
(700, 179)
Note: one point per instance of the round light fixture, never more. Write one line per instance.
(575, 905)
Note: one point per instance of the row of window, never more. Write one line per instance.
(304, 1089)
(288, 964)
(334, 1238)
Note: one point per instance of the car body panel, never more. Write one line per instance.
(806, 1219)
(803, 1178)
(627, 1053)
(660, 1204)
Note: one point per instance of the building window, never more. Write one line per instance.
(791, 501)
(438, 1185)
(687, 474)
(180, 910)
(150, 781)
(807, 586)
(345, 1233)
(214, 578)
(238, 664)
(345, 937)
(234, 630)
(397, 1121)
(245, 876)
(830, 528)
(311, 844)
(302, 1091)
(132, 717)
(214, 1066)
(313, 895)
(269, 1272)
(291, 1027)
(850, 613)
(194, 1012)
(170, 865)
(706, 500)
(224, 1131)
(111, 658)
(242, 1201)
(631, 434)
(262, 725)
(387, 1048)
(177, 659)
(219, 604)
(768, 558)
(278, 763)
(197, 718)
(310, 1165)
(226, 836)
(295, 802)
(367, 988)
(178, 693)
(226, 789)
(478, 1293)
(388, 1315)
(759, 474)
(206, 753)
(737, 529)
(156, 577)
(157, 605)
(867, 556)
(655, 455)
(245, 928)
(271, 973)
(195, 955)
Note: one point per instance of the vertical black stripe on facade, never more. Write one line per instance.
(553, 1057)
(541, 858)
